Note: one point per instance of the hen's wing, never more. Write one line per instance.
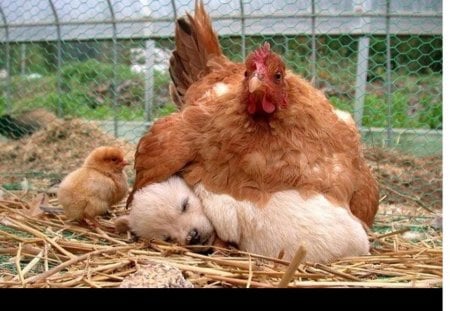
(162, 152)
(365, 200)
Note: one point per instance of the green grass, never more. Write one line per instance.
(15, 232)
(416, 102)
(416, 99)
(80, 83)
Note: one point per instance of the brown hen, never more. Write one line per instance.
(252, 129)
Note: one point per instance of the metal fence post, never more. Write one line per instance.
(361, 78)
(243, 49)
(174, 8)
(59, 57)
(313, 43)
(149, 64)
(114, 61)
(388, 75)
(8, 63)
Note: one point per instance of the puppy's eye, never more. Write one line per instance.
(184, 205)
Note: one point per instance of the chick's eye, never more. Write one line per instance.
(278, 76)
(114, 159)
(184, 205)
(167, 238)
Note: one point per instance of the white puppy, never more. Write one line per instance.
(327, 232)
(168, 211)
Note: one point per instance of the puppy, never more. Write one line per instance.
(171, 211)
(328, 232)
(168, 211)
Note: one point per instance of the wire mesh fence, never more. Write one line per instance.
(77, 74)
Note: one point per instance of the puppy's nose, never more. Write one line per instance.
(193, 237)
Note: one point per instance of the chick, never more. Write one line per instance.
(90, 190)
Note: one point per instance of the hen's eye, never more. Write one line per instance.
(278, 76)
(185, 205)
(246, 73)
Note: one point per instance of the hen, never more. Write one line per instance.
(90, 190)
(250, 130)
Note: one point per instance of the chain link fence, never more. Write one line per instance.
(75, 74)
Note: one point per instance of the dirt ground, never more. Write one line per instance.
(45, 157)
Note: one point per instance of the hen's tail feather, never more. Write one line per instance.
(195, 43)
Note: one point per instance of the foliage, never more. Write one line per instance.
(80, 85)
(87, 76)
(415, 103)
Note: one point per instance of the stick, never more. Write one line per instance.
(65, 284)
(313, 284)
(97, 269)
(250, 272)
(239, 281)
(338, 273)
(392, 233)
(90, 283)
(45, 257)
(17, 262)
(290, 271)
(43, 236)
(208, 271)
(228, 262)
(56, 269)
(107, 237)
(31, 264)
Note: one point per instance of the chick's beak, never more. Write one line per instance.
(125, 162)
(255, 84)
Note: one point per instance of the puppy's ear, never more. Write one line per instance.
(122, 224)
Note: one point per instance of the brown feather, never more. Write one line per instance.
(164, 150)
(195, 44)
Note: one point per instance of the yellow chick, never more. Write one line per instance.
(90, 190)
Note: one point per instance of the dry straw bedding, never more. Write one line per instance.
(43, 250)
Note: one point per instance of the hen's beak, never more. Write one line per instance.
(254, 84)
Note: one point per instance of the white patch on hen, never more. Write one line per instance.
(221, 88)
(344, 116)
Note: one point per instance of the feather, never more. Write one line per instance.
(161, 152)
(196, 43)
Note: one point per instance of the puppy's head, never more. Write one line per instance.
(171, 212)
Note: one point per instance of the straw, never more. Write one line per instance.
(48, 251)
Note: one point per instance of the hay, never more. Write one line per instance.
(44, 250)
(47, 251)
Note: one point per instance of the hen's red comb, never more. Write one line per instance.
(261, 54)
